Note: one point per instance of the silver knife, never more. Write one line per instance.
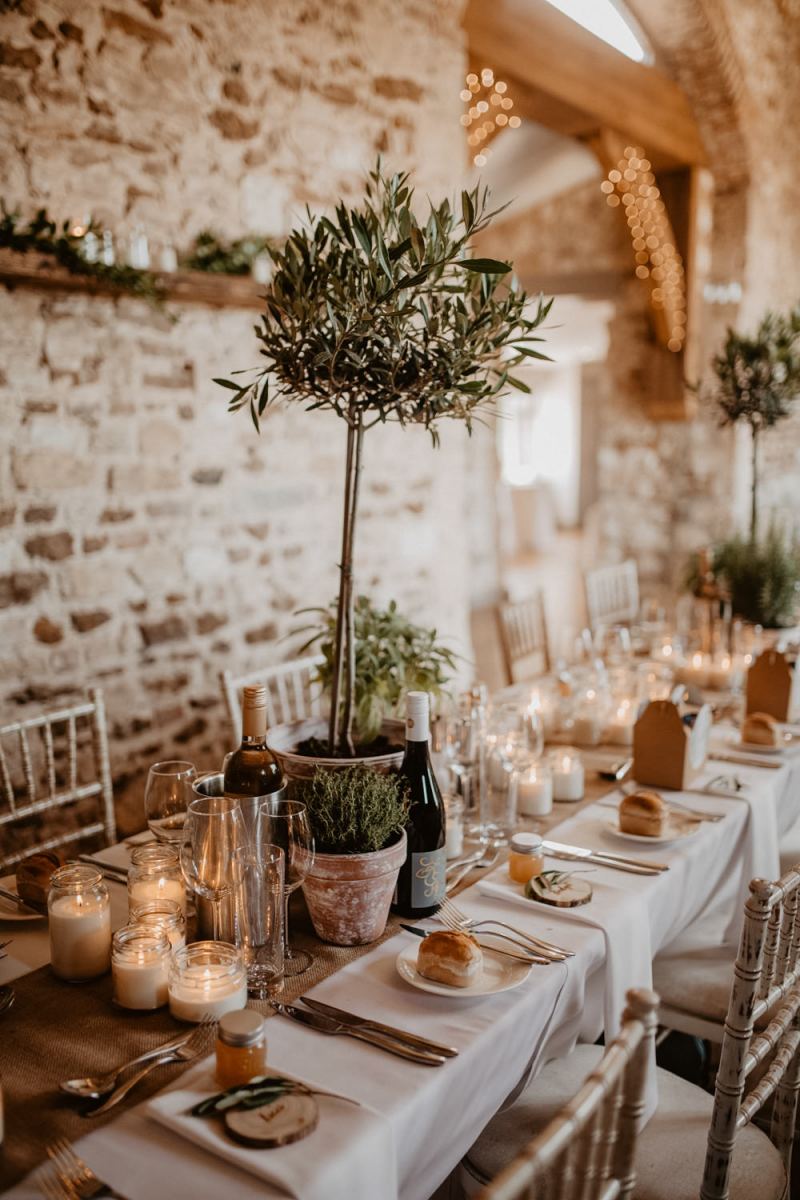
(22, 904)
(111, 870)
(636, 866)
(328, 1025)
(357, 1022)
(743, 761)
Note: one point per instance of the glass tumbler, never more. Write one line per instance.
(258, 873)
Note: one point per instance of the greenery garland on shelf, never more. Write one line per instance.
(42, 235)
(210, 253)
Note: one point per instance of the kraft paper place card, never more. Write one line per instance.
(667, 752)
(772, 687)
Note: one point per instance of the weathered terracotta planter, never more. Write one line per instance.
(283, 741)
(348, 895)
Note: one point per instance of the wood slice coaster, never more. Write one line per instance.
(571, 893)
(288, 1119)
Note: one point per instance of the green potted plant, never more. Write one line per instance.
(757, 381)
(393, 656)
(377, 314)
(358, 820)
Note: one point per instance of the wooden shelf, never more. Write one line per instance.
(181, 287)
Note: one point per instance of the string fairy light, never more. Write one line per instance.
(487, 110)
(632, 184)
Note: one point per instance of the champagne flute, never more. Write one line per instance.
(213, 832)
(166, 798)
(285, 823)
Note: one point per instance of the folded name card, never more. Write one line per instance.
(772, 686)
(668, 752)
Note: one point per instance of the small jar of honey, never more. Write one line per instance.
(241, 1047)
(526, 857)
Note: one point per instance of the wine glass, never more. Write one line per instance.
(284, 823)
(213, 832)
(166, 798)
(614, 645)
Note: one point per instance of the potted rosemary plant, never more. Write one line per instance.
(757, 381)
(376, 314)
(357, 817)
(393, 656)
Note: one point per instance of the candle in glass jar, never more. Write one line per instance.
(454, 826)
(568, 776)
(139, 967)
(144, 890)
(534, 790)
(80, 937)
(206, 977)
(620, 731)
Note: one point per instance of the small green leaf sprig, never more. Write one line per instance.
(213, 254)
(259, 1091)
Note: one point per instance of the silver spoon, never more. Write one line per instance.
(7, 997)
(93, 1087)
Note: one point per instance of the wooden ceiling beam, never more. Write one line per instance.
(568, 79)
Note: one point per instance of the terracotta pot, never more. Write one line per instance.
(283, 741)
(348, 895)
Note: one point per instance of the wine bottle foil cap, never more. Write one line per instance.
(255, 696)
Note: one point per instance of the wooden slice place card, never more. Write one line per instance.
(667, 752)
(288, 1119)
(772, 686)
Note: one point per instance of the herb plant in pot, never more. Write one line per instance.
(393, 655)
(380, 314)
(358, 820)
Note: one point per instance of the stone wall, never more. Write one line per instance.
(149, 539)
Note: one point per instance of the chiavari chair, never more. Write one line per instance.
(523, 638)
(292, 693)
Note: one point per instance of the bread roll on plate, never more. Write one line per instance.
(761, 729)
(450, 957)
(33, 876)
(643, 812)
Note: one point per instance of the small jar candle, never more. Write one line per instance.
(525, 858)
(534, 784)
(568, 778)
(454, 825)
(140, 967)
(206, 977)
(80, 923)
(155, 874)
(166, 915)
(620, 729)
(241, 1047)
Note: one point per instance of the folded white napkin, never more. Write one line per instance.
(350, 1153)
(623, 921)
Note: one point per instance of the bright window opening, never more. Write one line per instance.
(605, 20)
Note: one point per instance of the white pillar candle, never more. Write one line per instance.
(568, 777)
(535, 791)
(80, 937)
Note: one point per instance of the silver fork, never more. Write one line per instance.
(712, 818)
(75, 1176)
(450, 914)
(50, 1186)
(190, 1050)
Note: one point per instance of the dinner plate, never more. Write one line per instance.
(678, 827)
(498, 975)
(10, 912)
(760, 748)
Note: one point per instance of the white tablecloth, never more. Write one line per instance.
(435, 1115)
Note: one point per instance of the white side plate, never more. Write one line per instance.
(498, 975)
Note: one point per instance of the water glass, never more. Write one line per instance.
(285, 823)
(258, 875)
(213, 832)
(166, 798)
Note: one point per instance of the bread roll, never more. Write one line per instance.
(34, 874)
(450, 957)
(761, 729)
(643, 812)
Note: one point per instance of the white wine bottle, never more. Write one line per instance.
(421, 883)
(252, 770)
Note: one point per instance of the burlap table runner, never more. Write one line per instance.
(58, 1030)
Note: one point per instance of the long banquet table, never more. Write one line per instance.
(431, 1117)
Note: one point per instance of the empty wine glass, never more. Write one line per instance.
(213, 832)
(284, 823)
(614, 645)
(166, 798)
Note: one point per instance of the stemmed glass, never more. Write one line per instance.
(213, 832)
(166, 798)
(285, 823)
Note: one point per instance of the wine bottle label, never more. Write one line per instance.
(428, 878)
(417, 717)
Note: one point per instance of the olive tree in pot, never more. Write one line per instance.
(358, 820)
(378, 315)
(393, 655)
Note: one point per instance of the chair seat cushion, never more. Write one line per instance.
(671, 1149)
(697, 981)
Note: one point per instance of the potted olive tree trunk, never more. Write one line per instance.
(357, 817)
(377, 314)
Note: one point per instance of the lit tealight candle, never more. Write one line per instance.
(206, 977)
(534, 786)
(568, 775)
